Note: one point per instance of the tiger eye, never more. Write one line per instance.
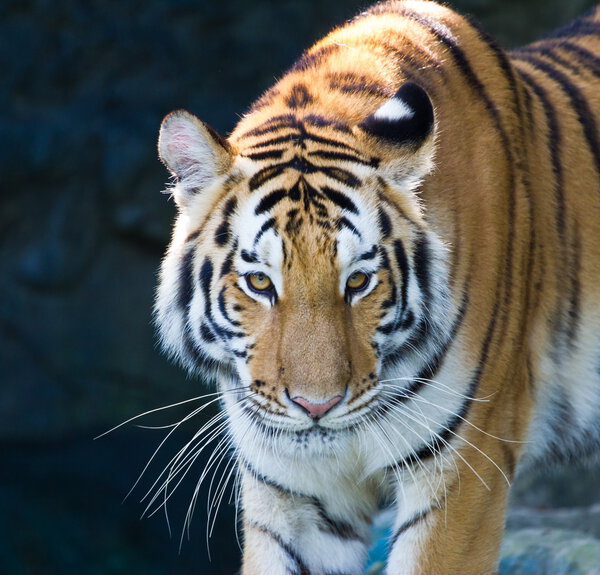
(259, 282)
(357, 281)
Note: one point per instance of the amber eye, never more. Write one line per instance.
(358, 281)
(259, 282)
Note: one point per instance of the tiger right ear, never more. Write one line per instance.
(193, 152)
(405, 119)
(402, 130)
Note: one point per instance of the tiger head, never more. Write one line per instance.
(302, 269)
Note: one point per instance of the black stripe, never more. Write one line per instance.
(328, 141)
(422, 261)
(299, 567)
(314, 58)
(205, 277)
(223, 308)
(299, 97)
(344, 222)
(574, 311)
(340, 529)
(342, 157)
(555, 141)
(186, 280)
(585, 57)
(339, 199)
(385, 224)
(577, 28)
(407, 525)
(500, 55)
(302, 165)
(388, 328)
(266, 155)
(573, 67)
(269, 224)
(273, 123)
(343, 176)
(270, 200)
(199, 357)
(407, 320)
(263, 176)
(369, 255)
(323, 122)
(222, 234)
(579, 104)
(272, 142)
(194, 235)
(228, 262)
(588, 124)
(402, 262)
(207, 334)
(361, 88)
(249, 257)
(306, 135)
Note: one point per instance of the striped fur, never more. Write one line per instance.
(458, 187)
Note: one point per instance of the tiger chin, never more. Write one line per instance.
(390, 270)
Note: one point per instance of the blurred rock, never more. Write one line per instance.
(585, 520)
(549, 552)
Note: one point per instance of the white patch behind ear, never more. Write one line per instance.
(192, 151)
(393, 110)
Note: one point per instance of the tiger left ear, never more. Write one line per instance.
(406, 119)
(193, 152)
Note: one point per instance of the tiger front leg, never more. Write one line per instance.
(287, 533)
(451, 522)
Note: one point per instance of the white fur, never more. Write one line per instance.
(394, 110)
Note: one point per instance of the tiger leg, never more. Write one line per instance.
(456, 527)
(287, 533)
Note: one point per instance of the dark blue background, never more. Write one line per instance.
(83, 88)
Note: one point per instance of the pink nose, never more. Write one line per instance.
(316, 410)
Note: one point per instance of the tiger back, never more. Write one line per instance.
(390, 269)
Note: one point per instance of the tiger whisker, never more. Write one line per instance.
(185, 459)
(410, 471)
(420, 398)
(215, 505)
(165, 439)
(150, 411)
(450, 446)
(438, 385)
(467, 441)
(212, 421)
(182, 470)
(436, 453)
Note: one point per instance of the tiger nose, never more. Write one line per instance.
(316, 410)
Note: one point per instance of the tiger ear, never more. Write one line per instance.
(193, 152)
(403, 128)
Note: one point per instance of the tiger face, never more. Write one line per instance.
(286, 273)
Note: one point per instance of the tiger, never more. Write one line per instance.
(390, 269)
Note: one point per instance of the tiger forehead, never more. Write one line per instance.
(304, 143)
(307, 219)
